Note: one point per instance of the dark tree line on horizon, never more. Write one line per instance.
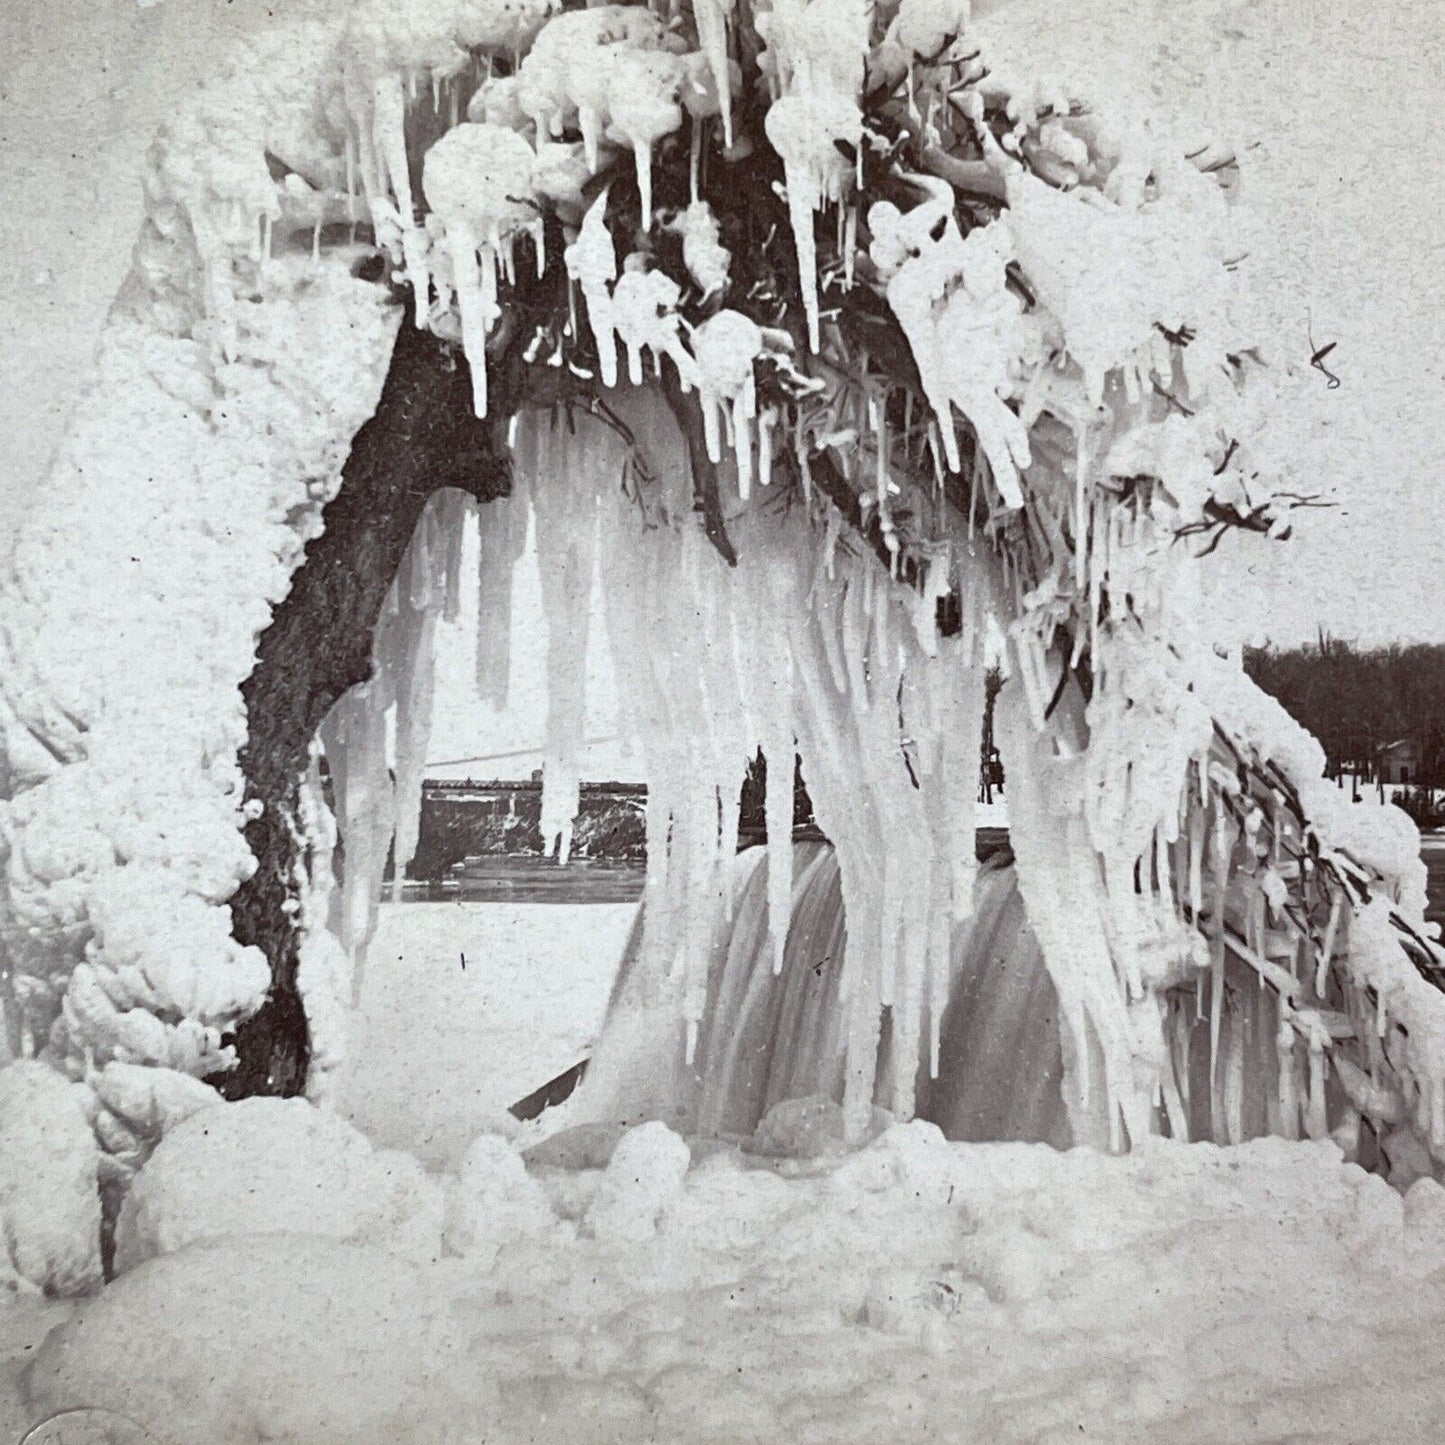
(1357, 701)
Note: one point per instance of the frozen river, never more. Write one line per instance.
(466, 1007)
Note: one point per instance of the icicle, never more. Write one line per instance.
(455, 507)
(415, 672)
(1234, 1083)
(744, 407)
(589, 122)
(351, 179)
(711, 17)
(354, 737)
(802, 130)
(472, 308)
(710, 405)
(569, 468)
(592, 261)
(1289, 1104)
(1316, 1120)
(778, 815)
(389, 122)
(502, 535)
(1327, 948)
(940, 960)
(642, 158)
(1196, 865)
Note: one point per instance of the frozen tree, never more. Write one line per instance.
(831, 346)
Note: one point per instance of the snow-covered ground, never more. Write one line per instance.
(443, 1047)
(916, 1290)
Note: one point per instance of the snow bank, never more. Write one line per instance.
(49, 1197)
(304, 1340)
(265, 1166)
(913, 1291)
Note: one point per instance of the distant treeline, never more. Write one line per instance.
(1357, 701)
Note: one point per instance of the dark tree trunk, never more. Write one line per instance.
(423, 437)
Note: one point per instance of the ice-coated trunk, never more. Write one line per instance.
(423, 436)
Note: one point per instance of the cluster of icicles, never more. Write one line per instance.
(797, 648)
(375, 738)
(1120, 245)
(621, 75)
(1159, 911)
(1122, 251)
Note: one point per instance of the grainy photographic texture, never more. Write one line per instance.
(721, 721)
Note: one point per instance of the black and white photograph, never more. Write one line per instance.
(722, 722)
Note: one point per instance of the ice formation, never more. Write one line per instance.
(276, 1166)
(1003, 377)
(375, 738)
(772, 1048)
(717, 664)
(478, 182)
(563, 481)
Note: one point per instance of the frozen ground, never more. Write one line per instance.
(440, 1048)
(917, 1291)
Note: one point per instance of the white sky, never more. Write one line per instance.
(1337, 102)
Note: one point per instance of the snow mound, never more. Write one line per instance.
(494, 1200)
(642, 1181)
(268, 1166)
(49, 1203)
(310, 1341)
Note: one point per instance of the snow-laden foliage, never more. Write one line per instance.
(132, 599)
(919, 347)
